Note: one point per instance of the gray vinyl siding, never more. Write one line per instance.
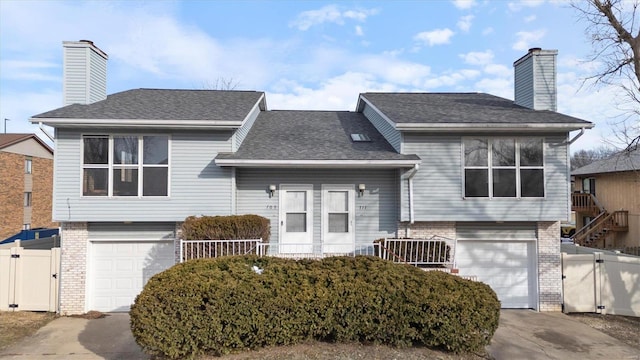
(196, 185)
(523, 75)
(85, 76)
(376, 212)
(242, 132)
(392, 135)
(97, 77)
(134, 231)
(545, 83)
(438, 187)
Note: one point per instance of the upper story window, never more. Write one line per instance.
(125, 165)
(503, 167)
(27, 199)
(28, 163)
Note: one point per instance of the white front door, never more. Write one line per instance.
(338, 235)
(296, 219)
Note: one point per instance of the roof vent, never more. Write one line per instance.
(360, 137)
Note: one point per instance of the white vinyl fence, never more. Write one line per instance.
(601, 283)
(29, 279)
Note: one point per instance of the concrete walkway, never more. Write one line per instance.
(526, 334)
(522, 334)
(74, 339)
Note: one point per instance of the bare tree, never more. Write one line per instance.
(221, 83)
(585, 157)
(613, 27)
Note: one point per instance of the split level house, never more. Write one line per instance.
(26, 184)
(606, 201)
(491, 173)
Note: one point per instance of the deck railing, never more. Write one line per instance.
(585, 203)
(434, 252)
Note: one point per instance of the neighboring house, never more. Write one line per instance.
(488, 172)
(607, 203)
(26, 175)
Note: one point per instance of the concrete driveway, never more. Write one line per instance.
(522, 334)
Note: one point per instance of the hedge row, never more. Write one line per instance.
(226, 227)
(218, 306)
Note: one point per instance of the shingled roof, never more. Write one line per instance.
(289, 135)
(461, 108)
(161, 104)
(622, 161)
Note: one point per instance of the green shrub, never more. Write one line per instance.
(218, 306)
(226, 227)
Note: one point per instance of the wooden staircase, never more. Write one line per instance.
(603, 224)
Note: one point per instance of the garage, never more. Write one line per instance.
(123, 260)
(503, 257)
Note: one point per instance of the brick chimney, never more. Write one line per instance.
(84, 79)
(535, 80)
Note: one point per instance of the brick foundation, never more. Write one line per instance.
(549, 267)
(425, 230)
(73, 265)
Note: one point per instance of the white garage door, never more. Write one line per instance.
(507, 266)
(120, 269)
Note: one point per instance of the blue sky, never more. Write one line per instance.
(304, 55)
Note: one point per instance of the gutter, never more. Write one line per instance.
(412, 173)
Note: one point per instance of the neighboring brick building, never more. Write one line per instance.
(26, 183)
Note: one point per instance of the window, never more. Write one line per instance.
(125, 165)
(503, 167)
(27, 199)
(28, 165)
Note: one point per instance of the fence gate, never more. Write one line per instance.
(601, 283)
(29, 279)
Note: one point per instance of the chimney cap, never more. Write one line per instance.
(535, 49)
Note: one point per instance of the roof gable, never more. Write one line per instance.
(7, 140)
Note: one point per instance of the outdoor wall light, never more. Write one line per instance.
(361, 189)
(272, 189)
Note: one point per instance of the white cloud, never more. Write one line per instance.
(464, 23)
(464, 4)
(525, 39)
(478, 58)
(521, 4)
(498, 70)
(435, 37)
(450, 79)
(530, 18)
(31, 70)
(487, 31)
(336, 93)
(359, 30)
(329, 14)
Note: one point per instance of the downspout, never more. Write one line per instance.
(576, 137)
(46, 133)
(410, 178)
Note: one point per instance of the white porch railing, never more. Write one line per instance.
(199, 249)
(426, 253)
(432, 252)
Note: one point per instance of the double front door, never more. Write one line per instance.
(298, 221)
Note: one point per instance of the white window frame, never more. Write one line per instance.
(28, 165)
(489, 167)
(110, 166)
(28, 199)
